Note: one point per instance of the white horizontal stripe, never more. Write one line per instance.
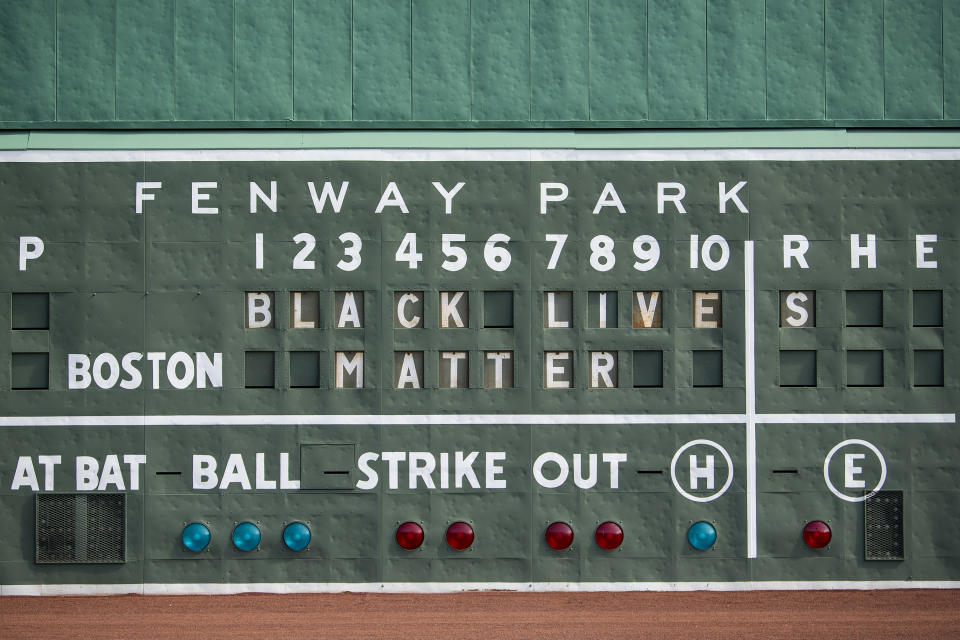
(474, 155)
(476, 419)
(857, 418)
(157, 589)
(372, 419)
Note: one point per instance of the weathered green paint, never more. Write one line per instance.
(168, 280)
(491, 64)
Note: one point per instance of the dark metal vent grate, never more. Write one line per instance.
(883, 526)
(75, 528)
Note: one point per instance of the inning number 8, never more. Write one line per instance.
(602, 258)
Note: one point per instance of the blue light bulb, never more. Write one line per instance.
(246, 536)
(701, 535)
(195, 536)
(296, 536)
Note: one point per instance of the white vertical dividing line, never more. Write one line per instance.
(751, 397)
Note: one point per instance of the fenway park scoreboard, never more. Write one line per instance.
(442, 369)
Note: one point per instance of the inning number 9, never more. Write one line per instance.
(647, 250)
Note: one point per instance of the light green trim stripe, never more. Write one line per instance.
(550, 139)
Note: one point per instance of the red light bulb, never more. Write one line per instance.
(409, 535)
(459, 535)
(559, 535)
(817, 534)
(609, 535)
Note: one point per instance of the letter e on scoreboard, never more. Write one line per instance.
(706, 310)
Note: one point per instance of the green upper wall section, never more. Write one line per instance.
(478, 63)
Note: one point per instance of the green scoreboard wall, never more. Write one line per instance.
(752, 339)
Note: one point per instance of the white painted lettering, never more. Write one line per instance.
(857, 251)
(24, 475)
(260, 473)
(78, 371)
(87, 473)
(705, 472)
(614, 460)
(180, 359)
(922, 250)
(609, 198)
(370, 479)
(133, 462)
(31, 248)
(49, 463)
(235, 472)
(795, 248)
(391, 198)
(127, 363)
(336, 199)
(421, 465)
(113, 368)
(557, 459)
(727, 196)
(578, 479)
(552, 192)
(198, 196)
(463, 469)
(448, 195)
(676, 197)
(393, 460)
(851, 471)
(258, 195)
(111, 474)
(494, 470)
(142, 196)
(204, 472)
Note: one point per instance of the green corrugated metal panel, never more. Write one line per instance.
(28, 83)
(441, 65)
(951, 57)
(321, 64)
(496, 63)
(205, 60)
(795, 58)
(735, 54)
(86, 61)
(499, 59)
(558, 60)
(381, 61)
(854, 54)
(677, 63)
(618, 60)
(913, 59)
(264, 61)
(145, 60)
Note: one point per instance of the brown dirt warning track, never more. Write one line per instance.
(813, 615)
